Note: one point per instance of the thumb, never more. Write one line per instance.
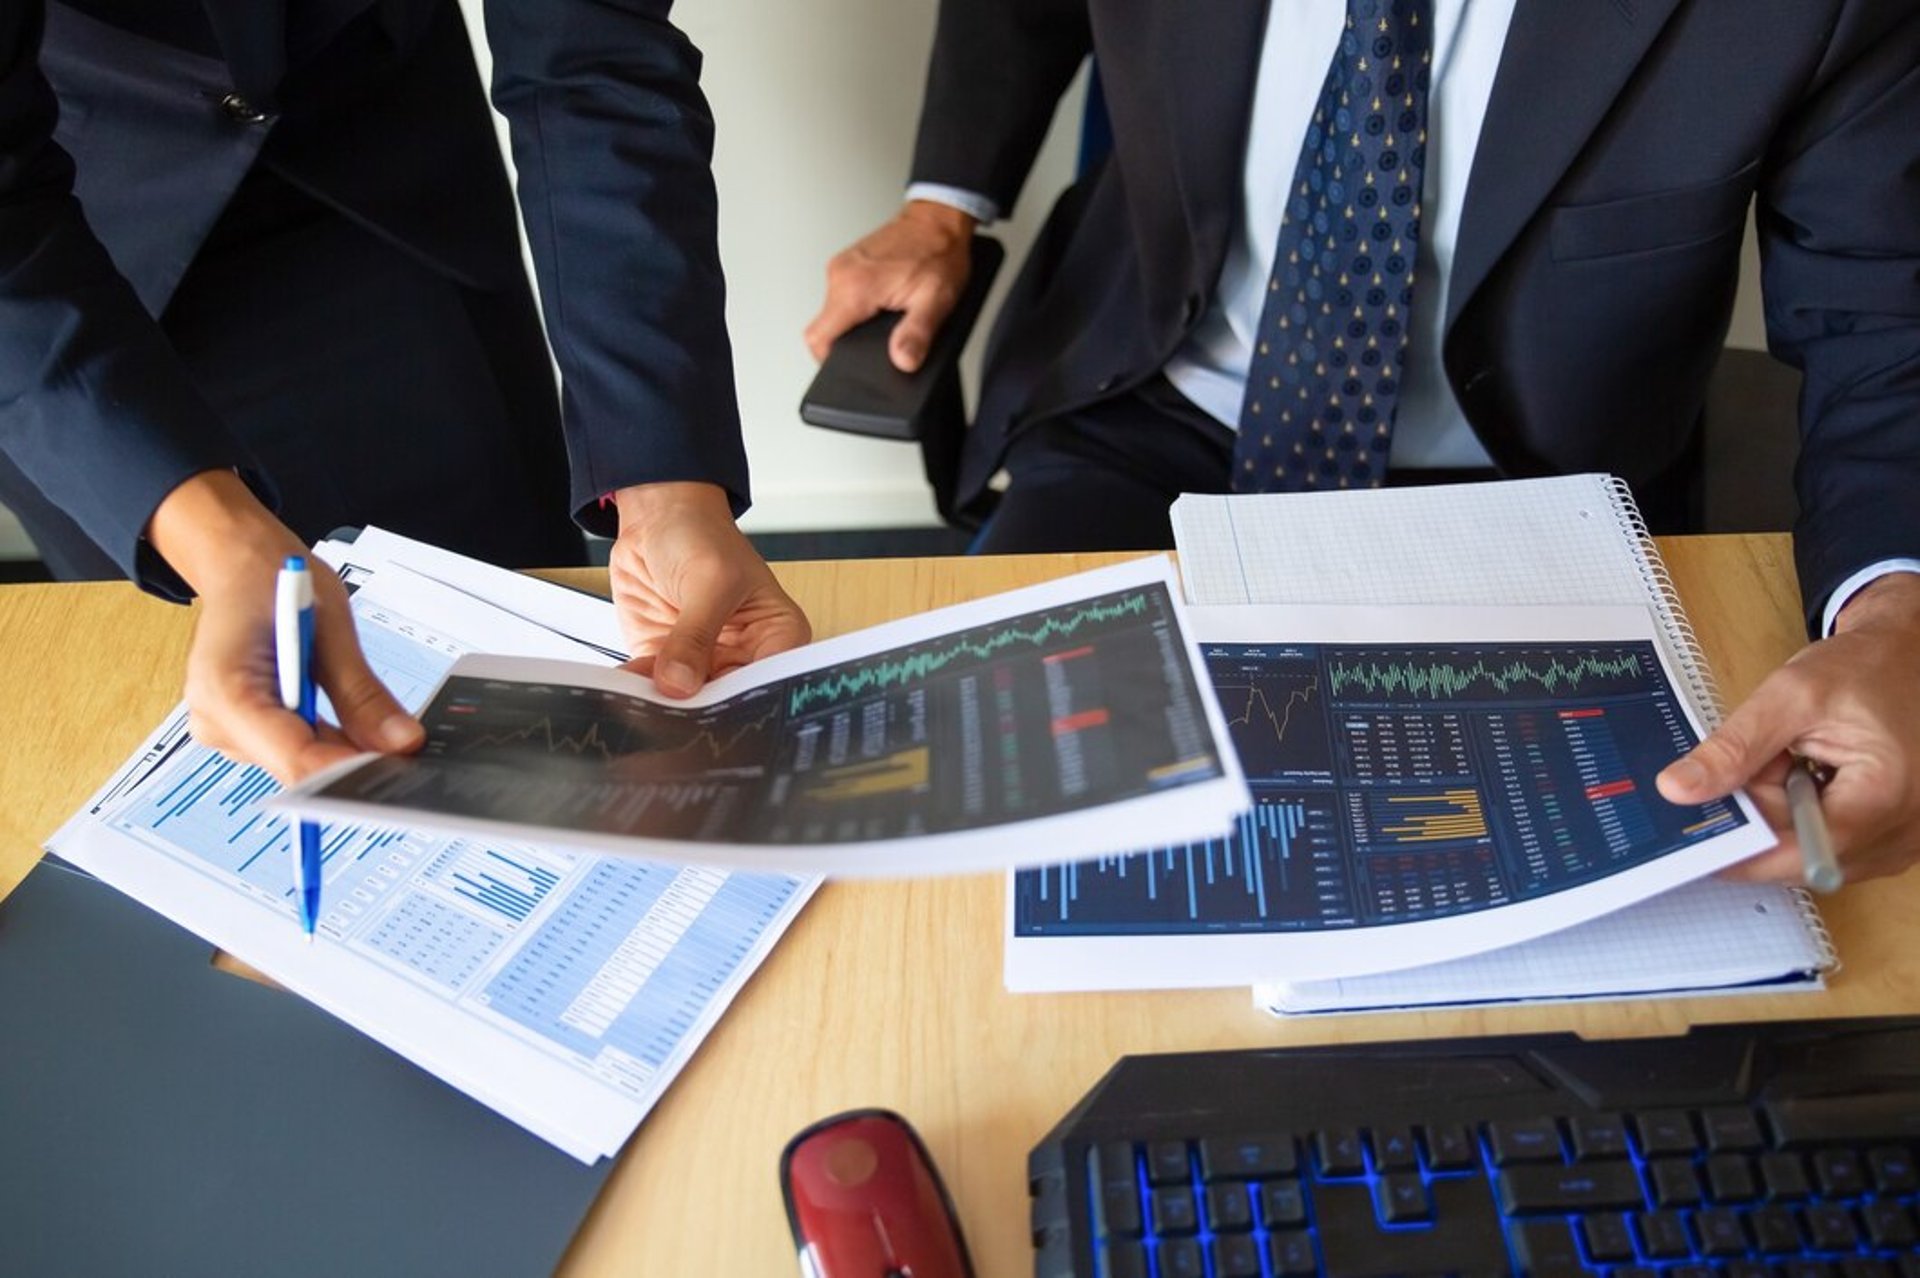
(369, 716)
(681, 663)
(1753, 736)
(927, 309)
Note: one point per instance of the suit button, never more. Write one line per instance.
(1106, 384)
(241, 111)
(1474, 379)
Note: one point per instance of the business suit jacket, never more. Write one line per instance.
(368, 106)
(1599, 244)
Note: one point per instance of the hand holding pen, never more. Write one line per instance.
(1851, 703)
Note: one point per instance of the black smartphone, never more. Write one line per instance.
(858, 389)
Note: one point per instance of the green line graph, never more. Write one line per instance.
(1440, 679)
(896, 672)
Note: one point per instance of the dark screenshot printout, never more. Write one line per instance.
(1093, 701)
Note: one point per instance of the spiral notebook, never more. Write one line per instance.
(1575, 540)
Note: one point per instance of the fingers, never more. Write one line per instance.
(1756, 734)
(369, 716)
(683, 658)
(846, 306)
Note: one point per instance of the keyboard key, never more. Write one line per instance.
(1730, 1179)
(1291, 1252)
(1824, 1120)
(1663, 1235)
(1123, 1260)
(1734, 1129)
(1524, 1140)
(1839, 1174)
(1339, 1152)
(1889, 1225)
(1675, 1183)
(1393, 1149)
(1746, 1269)
(1785, 1177)
(1450, 1148)
(1830, 1227)
(1247, 1158)
(1282, 1204)
(1545, 1247)
(1775, 1231)
(1607, 1237)
(1598, 1136)
(1116, 1200)
(1464, 1237)
(1236, 1256)
(1167, 1163)
(1229, 1208)
(1181, 1258)
(1665, 1131)
(1893, 1170)
(1689, 1271)
(1582, 1187)
(1174, 1211)
(1720, 1232)
(1403, 1199)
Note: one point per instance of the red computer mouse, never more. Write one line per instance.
(864, 1201)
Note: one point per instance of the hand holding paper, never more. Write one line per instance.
(1850, 703)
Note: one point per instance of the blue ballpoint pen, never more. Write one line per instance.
(293, 655)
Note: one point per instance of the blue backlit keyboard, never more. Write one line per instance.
(1783, 1151)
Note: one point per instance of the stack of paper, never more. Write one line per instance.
(562, 989)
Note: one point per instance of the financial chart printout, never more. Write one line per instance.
(1051, 711)
(603, 973)
(1398, 783)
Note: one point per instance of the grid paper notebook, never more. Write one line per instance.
(1578, 539)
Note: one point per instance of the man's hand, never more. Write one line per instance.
(1851, 703)
(229, 548)
(694, 597)
(918, 264)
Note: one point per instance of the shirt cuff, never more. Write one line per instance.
(972, 203)
(1853, 585)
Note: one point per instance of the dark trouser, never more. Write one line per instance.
(370, 389)
(1103, 476)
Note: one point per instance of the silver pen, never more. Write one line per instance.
(1817, 861)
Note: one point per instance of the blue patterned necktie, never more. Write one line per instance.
(1332, 342)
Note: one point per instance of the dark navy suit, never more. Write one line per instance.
(1599, 244)
(276, 235)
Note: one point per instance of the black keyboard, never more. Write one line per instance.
(1785, 1150)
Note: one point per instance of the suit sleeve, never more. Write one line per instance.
(996, 74)
(95, 408)
(1839, 219)
(614, 145)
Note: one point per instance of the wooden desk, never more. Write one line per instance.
(889, 993)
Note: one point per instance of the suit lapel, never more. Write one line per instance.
(1564, 63)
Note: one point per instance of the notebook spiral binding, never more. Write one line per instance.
(1673, 621)
(1693, 663)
